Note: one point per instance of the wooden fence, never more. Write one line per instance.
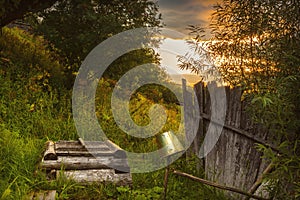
(234, 161)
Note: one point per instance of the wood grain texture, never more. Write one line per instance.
(49, 153)
(88, 161)
(81, 163)
(234, 161)
(97, 175)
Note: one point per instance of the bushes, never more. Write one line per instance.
(25, 54)
(33, 100)
(25, 107)
(279, 113)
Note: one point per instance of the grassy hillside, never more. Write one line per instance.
(35, 106)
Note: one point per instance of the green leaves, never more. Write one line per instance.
(265, 100)
(76, 27)
(254, 46)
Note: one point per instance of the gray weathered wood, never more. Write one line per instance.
(49, 153)
(118, 152)
(234, 161)
(243, 133)
(43, 195)
(88, 161)
(198, 89)
(50, 195)
(97, 175)
(67, 145)
(191, 119)
(80, 163)
(88, 148)
(81, 141)
(85, 153)
(75, 145)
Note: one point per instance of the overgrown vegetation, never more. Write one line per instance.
(255, 45)
(75, 27)
(35, 107)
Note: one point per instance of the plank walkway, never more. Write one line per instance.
(86, 162)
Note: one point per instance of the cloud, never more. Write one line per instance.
(178, 14)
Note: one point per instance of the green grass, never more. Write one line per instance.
(33, 110)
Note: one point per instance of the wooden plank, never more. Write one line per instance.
(118, 152)
(83, 150)
(50, 195)
(43, 195)
(80, 163)
(83, 159)
(79, 148)
(75, 145)
(49, 153)
(67, 145)
(86, 153)
(81, 141)
(243, 133)
(96, 147)
(98, 175)
(188, 116)
(234, 161)
(198, 89)
(97, 144)
(212, 159)
(38, 196)
(239, 147)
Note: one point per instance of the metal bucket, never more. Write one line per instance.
(170, 142)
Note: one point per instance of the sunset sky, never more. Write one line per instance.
(177, 15)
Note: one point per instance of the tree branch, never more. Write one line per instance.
(223, 187)
(13, 12)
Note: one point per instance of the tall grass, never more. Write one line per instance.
(34, 109)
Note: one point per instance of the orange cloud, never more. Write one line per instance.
(178, 14)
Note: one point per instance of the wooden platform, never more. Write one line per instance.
(86, 162)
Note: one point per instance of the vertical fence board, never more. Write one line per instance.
(188, 115)
(234, 161)
(199, 98)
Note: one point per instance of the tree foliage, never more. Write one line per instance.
(257, 40)
(17, 9)
(76, 27)
(256, 45)
(253, 41)
(28, 57)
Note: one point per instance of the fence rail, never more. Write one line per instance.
(235, 160)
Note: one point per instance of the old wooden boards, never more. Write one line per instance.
(42, 195)
(234, 161)
(87, 161)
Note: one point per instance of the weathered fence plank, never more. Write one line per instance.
(188, 115)
(234, 161)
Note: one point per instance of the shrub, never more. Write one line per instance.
(25, 53)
